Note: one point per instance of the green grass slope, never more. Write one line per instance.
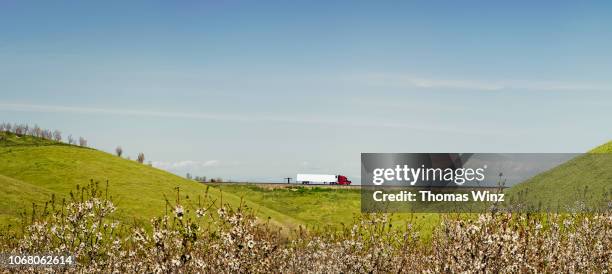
(586, 178)
(605, 148)
(16, 196)
(311, 205)
(31, 169)
(318, 207)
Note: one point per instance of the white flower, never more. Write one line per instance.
(221, 212)
(157, 236)
(179, 211)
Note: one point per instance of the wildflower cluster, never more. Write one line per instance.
(217, 238)
(510, 243)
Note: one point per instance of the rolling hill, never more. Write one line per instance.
(32, 169)
(586, 178)
(318, 206)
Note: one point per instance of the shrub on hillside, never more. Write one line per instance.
(57, 135)
(47, 134)
(36, 131)
(140, 158)
(20, 129)
(82, 142)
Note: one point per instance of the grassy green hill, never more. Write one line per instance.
(586, 178)
(32, 169)
(309, 205)
(605, 148)
(15, 195)
(316, 206)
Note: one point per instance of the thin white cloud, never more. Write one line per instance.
(247, 117)
(397, 80)
(185, 165)
(125, 112)
(161, 114)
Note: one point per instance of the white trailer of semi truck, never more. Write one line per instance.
(316, 179)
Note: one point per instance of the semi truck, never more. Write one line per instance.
(306, 179)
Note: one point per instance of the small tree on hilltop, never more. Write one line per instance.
(140, 158)
(119, 151)
(82, 142)
(20, 130)
(47, 134)
(36, 131)
(71, 140)
(57, 135)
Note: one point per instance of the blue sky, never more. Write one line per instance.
(264, 90)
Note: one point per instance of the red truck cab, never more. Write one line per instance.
(342, 180)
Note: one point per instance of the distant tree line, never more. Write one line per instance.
(55, 135)
(203, 179)
(36, 131)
